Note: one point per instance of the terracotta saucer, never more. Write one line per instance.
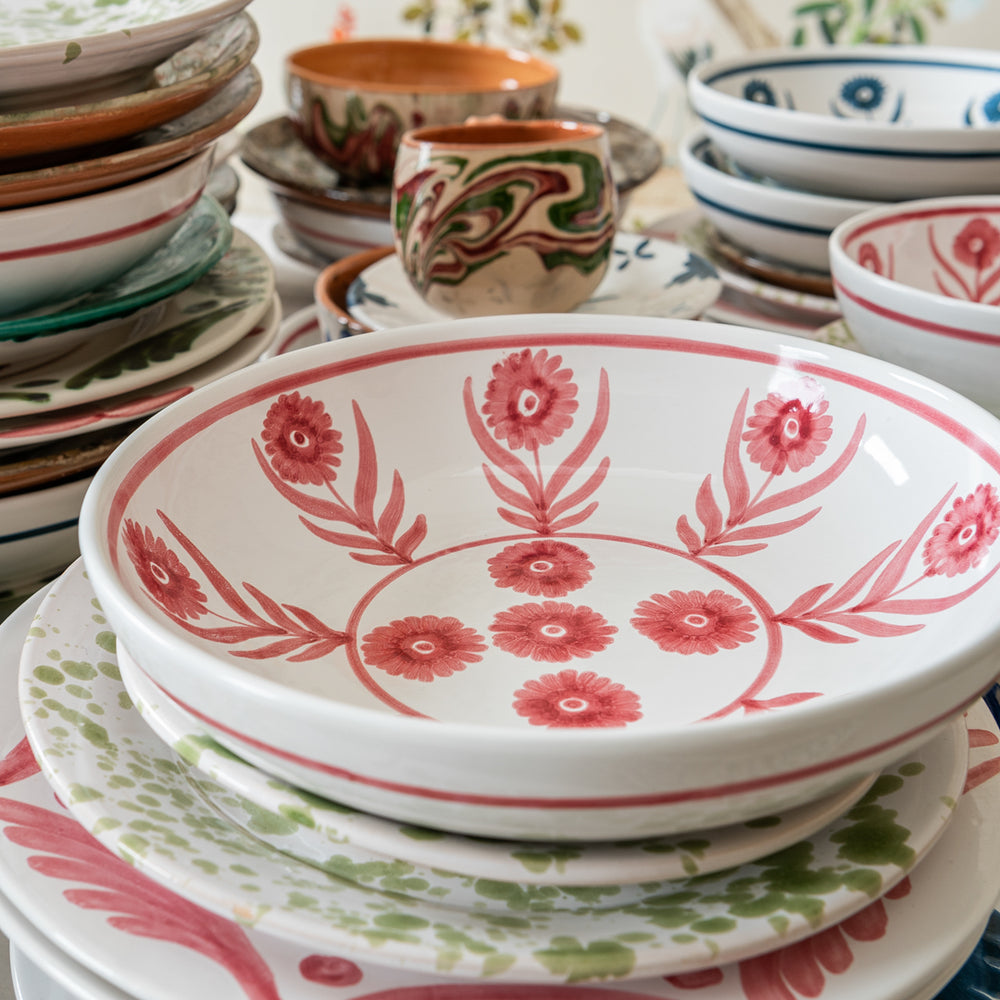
(331, 292)
(178, 86)
(30, 180)
(810, 282)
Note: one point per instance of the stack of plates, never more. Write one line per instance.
(260, 620)
(109, 117)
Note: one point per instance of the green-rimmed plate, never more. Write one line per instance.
(194, 249)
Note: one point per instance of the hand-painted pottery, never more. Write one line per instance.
(646, 277)
(779, 223)
(560, 576)
(188, 78)
(919, 285)
(497, 217)
(83, 913)
(330, 292)
(882, 122)
(351, 101)
(52, 253)
(71, 51)
(140, 801)
(49, 178)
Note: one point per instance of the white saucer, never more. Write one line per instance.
(121, 782)
(113, 921)
(646, 277)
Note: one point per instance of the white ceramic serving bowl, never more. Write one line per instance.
(917, 284)
(53, 252)
(535, 530)
(38, 533)
(877, 122)
(781, 223)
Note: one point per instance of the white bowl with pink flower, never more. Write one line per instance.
(577, 577)
(919, 285)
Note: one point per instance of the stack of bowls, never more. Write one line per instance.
(794, 142)
(704, 693)
(122, 283)
(328, 162)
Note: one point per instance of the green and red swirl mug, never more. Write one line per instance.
(498, 217)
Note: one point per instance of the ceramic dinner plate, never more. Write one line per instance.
(99, 913)
(333, 836)
(692, 229)
(53, 425)
(125, 786)
(72, 48)
(49, 178)
(178, 85)
(646, 277)
(198, 324)
(196, 247)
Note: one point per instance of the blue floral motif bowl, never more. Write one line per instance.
(885, 123)
(560, 576)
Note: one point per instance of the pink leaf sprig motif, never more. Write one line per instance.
(732, 533)
(139, 906)
(289, 630)
(977, 246)
(286, 430)
(881, 578)
(533, 502)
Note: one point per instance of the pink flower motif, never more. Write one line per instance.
(422, 648)
(695, 622)
(786, 433)
(545, 568)
(978, 244)
(580, 700)
(961, 541)
(530, 399)
(329, 970)
(551, 632)
(164, 576)
(300, 440)
(868, 256)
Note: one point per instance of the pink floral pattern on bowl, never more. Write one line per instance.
(553, 534)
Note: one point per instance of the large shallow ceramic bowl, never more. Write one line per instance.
(560, 576)
(66, 52)
(783, 224)
(919, 285)
(877, 122)
(352, 100)
(178, 85)
(54, 252)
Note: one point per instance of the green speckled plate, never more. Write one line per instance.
(198, 324)
(482, 873)
(132, 793)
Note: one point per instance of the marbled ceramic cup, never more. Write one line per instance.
(493, 217)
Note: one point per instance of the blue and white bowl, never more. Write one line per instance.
(753, 212)
(877, 122)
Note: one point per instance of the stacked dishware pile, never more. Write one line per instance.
(122, 282)
(794, 142)
(709, 687)
(328, 162)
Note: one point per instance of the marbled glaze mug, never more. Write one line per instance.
(493, 217)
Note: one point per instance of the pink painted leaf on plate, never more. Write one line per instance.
(137, 905)
(19, 764)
